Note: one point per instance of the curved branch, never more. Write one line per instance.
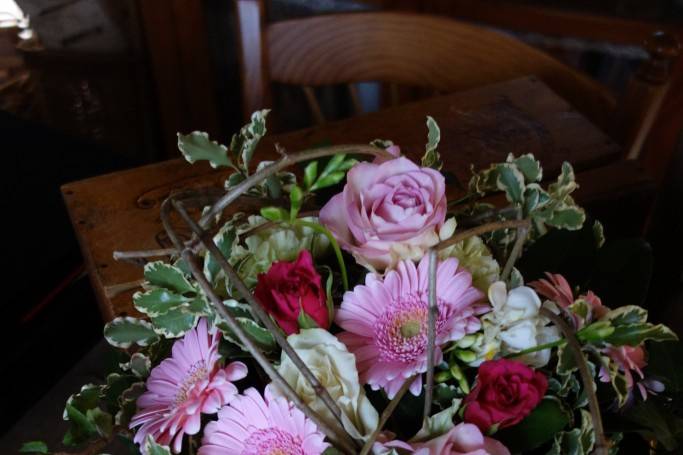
(336, 434)
(257, 308)
(283, 163)
(483, 229)
(431, 333)
(601, 443)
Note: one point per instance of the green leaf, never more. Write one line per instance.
(167, 276)
(635, 334)
(243, 144)
(237, 309)
(333, 164)
(103, 421)
(158, 301)
(529, 166)
(296, 198)
(174, 323)
(122, 332)
(152, 448)
(544, 422)
(629, 314)
(511, 181)
(567, 217)
(565, 184)
(224, 241)
(34, 447)
(259, 335)
(310, 174)
(81, 428)
(197, 146)
(598, 233)
(328, 293)
(305, 321)
(431, 158)
(274, 214)
(329, 180)
(235, 179)
(596, 331)
(140, 365)
(565, 360)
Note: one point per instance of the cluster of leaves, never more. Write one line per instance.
(197, 146)
(333, 173)
(519, 179)
(173, 302)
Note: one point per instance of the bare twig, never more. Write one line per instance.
(601, 443)
(431, 333)
(522, 232)
(483, 229)
(116, 289)
(258, 310)
(386, 414)
(339, 437)
(141, 254)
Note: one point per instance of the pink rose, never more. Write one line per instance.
(387, 212)
(288, 288)
(463, 439)
(505, 392)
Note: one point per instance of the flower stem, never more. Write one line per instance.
(540, 347)
(335, 246)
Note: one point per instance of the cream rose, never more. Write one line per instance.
(335, 368)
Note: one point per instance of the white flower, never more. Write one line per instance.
(515, 322)
(335, 368)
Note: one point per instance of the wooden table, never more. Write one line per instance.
(120, 211)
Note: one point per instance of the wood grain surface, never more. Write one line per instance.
(120, 211)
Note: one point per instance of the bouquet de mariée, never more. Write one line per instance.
(358, 310)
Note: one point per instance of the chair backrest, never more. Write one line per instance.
(401, 48)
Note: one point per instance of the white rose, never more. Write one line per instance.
(516, 322)
(335, 368)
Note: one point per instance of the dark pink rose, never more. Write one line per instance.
(288, 288)
(388, 212)
(505, 392)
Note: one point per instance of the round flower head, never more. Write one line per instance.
(250, 425)
(183, 386)
(385, 321)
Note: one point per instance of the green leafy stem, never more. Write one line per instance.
(333, 242)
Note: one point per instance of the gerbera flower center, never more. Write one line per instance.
(272, 441)
(195, 373)
(401, 332)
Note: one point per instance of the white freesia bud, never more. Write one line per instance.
(516, 325)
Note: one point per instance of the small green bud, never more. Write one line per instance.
(466, 356)
(467, 341)
(597, 331)
(442, 376)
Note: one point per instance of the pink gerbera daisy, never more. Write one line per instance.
(183, 386)
(385, 321)
(250, 425)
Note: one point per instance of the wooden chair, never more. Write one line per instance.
(445, 55)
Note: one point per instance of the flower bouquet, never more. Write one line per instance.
(360, 311)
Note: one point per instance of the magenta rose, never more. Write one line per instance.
(463, 439)
(505, 392)
(288, 288)
(387, 212)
